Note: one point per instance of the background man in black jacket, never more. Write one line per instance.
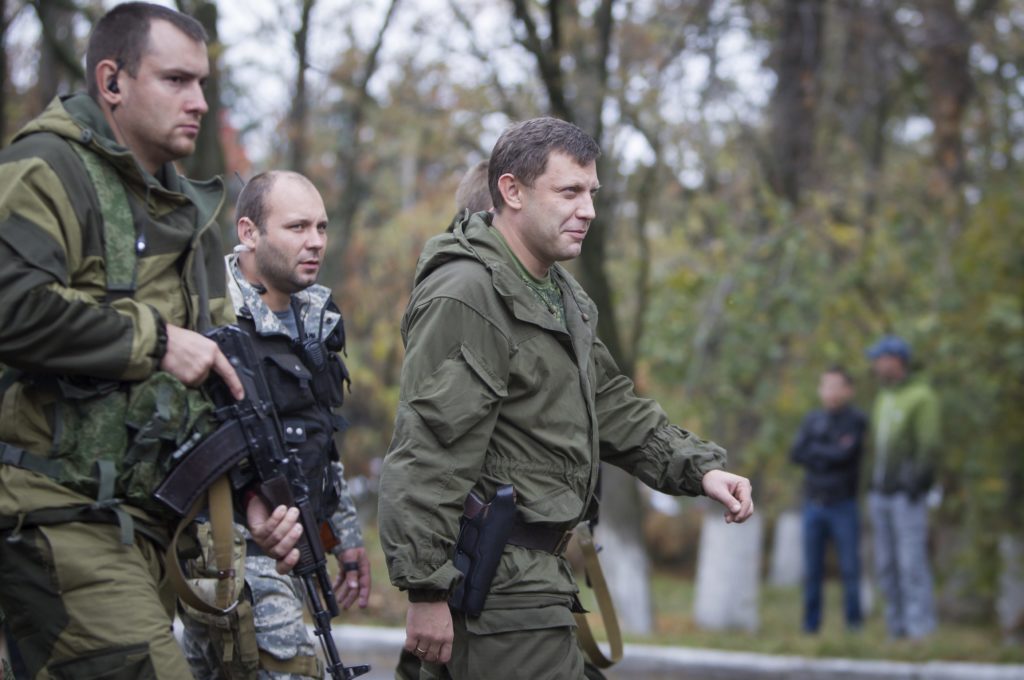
(829, 447)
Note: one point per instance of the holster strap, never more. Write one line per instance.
(105, 509)
(525, 535)
(12, 455)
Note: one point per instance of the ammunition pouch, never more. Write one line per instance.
(129, 428)
(206, 580)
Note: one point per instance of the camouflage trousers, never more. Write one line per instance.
(82, 605)
(900, 528)
(214, 648)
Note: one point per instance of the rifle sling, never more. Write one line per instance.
(221, 515)
(595, 576)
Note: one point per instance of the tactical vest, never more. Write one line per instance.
(113, 440)
(305, 396)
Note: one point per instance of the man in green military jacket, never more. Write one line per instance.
(506, 382)
(110, 264)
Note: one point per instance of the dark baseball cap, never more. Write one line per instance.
(890, 344)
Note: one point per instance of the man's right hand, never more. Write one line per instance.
(429, 632)
(191, 356)
(276, 533)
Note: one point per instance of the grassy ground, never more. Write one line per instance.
(779, 631)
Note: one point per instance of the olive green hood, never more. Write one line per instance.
(78, 118)
(496, 390)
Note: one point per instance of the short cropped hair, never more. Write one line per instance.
(122, 34)
(473, 193)
(253, 198)
(523, 151)
(836, 369)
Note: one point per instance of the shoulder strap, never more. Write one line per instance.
(604, 603)
(228, 579)
(118, 225)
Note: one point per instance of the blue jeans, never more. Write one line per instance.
(837, 521)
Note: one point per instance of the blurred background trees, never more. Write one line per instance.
(783, 181)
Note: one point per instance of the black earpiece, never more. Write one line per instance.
(112, 85)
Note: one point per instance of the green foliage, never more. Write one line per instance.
(747, 297)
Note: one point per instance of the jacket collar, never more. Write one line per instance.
(312, 303)
(78, 118)
(473, 236)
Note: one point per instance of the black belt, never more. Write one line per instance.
(526, 535)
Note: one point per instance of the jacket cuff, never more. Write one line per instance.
(160, 349)
(423, 595)
(442, 579)
(690, 458)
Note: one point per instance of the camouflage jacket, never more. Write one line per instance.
(494, 390)
(59, 326)
(312, 305)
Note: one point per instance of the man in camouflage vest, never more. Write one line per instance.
(110, 270)
(298, 331)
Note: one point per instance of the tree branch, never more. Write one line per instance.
(547, 62)
(508, 106)
(354, 192)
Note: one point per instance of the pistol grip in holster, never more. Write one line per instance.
(478, 550)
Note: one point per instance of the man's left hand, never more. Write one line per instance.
(353, 582)
(732, 491)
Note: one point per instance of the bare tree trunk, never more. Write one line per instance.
(625, 562)
(354, 190)
(947, 74)
(208, 159)
(4, 24)
(59, 67)
(798, 51)
(945, 55)
(299, 114)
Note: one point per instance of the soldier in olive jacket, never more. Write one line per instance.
(506, 382)
(109, 265)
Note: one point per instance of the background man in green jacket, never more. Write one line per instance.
(905, 434)
(109, 265)
(506, 382)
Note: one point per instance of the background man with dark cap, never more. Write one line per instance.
(905, 435)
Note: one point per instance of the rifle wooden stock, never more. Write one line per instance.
(203, 465)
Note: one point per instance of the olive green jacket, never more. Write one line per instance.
(55, 318)
(493, 391)
(906, 436)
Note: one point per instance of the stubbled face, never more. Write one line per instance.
(834, 391)
(556, 212)
(161, 107)
(889, 369)
(289, 250)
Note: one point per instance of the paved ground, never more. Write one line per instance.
(379, 647)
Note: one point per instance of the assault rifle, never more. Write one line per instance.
(250, 439)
